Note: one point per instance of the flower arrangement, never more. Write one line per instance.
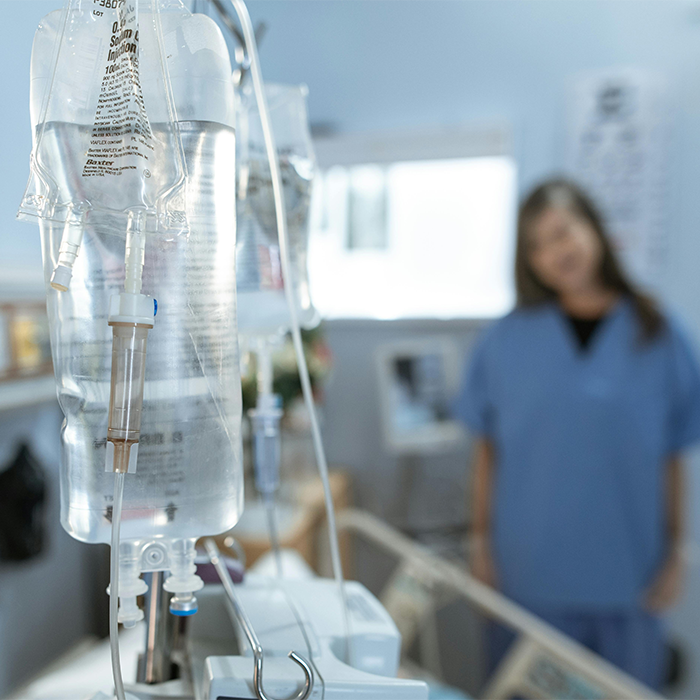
(286, 380)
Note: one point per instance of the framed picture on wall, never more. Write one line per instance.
(25, 349)
(418, 380)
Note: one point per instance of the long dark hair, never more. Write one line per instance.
(531, 291)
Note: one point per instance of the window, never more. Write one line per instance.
(414, 239)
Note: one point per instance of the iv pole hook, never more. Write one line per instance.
(303, 694)
(241, 54)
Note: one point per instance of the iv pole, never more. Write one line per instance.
(265, 417)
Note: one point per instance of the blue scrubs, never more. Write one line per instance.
(582, 441)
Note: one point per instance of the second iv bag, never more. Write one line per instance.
(262, 305)
(133, 118)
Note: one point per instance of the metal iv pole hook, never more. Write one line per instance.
(300, 660)
(303, 694)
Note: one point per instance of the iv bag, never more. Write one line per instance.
(92, 125)
(262, 305)
(133, 111)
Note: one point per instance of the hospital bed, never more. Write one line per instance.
(542, 662)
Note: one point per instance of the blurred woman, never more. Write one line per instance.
(582, 401)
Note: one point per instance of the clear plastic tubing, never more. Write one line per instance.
(70, 247)
(256, 74)
(265, 418)
(114, 586)
(266, 421)
(266, 429)
(131, 317)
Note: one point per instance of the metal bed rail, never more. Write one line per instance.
(542, 662)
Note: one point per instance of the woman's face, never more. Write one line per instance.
(564, 251)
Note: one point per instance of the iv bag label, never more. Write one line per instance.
(121, 137)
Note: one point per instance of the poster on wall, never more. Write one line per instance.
(618, 150)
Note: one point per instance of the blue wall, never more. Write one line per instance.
(383, 65)
(388, 64)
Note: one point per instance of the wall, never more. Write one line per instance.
(422, 494)
(48, 603)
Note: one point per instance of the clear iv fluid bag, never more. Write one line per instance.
(262, 305)
(188, 482)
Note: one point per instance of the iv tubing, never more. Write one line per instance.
(256, 74)
(265, 372)
(114, 586)
(265, 379)
(134, 256)
(130, 316)
(269, 501)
